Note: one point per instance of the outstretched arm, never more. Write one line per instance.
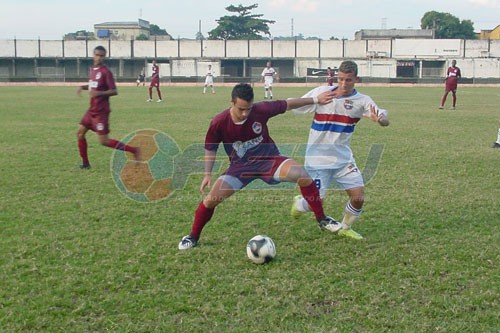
(322, 99)
(209, 164)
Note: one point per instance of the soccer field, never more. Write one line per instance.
(76, 255)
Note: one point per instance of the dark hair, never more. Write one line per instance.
(243, 91)
(100, 48)
(349, 66)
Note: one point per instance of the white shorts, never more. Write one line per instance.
(209, 81)
(268, 83)
(345, 178)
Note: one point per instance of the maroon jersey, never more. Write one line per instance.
(452, 76)
(247, 142)
(155, 76)
(101, 79)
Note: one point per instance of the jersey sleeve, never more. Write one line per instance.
(213, 137)
(312, 107)
(110, 80)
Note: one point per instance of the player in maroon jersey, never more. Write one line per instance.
(155, 82)
(329, 76)
(452, 76)
(101, 87)
(243, 131)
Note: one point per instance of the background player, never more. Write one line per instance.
(268, 76)
(141, 78)
(155, 82)
(328, 155)
(329, 76)
(253, 155)
(209, 80)
(451, 82)
(496, 144)
(101, 87)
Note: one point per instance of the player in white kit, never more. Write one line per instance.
(268, 76)
(209, 80)
(328, 155)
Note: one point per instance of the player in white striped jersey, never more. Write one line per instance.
(328, 155)
(268, 76)
(209, 80)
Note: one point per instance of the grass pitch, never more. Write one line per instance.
(76, 255)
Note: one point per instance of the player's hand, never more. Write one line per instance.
(373, 114)
(326, 97)
(206, 182)
(79, 92)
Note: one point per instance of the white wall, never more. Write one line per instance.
(7, 48)
(27, 48)
(120, 49)
(260, 49)
(434, 48)
(332, 48)
(237, 48)
(283, 48)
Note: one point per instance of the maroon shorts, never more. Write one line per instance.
(451, 85)
(98, 123)
(155, 82)
(264, 168)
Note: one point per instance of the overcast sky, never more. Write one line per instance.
(51, 19)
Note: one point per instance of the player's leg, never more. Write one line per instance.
(224, 187)
(454, 98)
(497, 143)
(115, 144)
(158, 92)
(443, 100)
(351, 180)
(291, 171)
(82, 146)
(266, 89)
(150, 90)
(205, 88)
(322, 178)
(213, 88)
(270, 90)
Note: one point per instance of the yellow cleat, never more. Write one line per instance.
(296, 214)
(350, 233)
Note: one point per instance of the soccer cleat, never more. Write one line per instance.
(452, 108)
(329, 223)
(84, 166)
(350, 233)
(187, 242)
(149, 100)
(296, 214)
(441, 107)
(159, 101)
(496, 145)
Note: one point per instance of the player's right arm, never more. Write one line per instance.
(209, 165)
(80, 88)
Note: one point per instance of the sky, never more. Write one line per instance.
(52, 19)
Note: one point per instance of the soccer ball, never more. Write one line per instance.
(261, 249)
(150, 179)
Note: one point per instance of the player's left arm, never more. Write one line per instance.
(322, 99)
(377, 115)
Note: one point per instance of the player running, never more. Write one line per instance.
(328, 155)
(101, 87)
(268, 76)
(452, 76)
(243, 131)
(209, 80)
(155, 82)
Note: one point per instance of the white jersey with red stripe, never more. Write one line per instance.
(268, 74)
(328, 146)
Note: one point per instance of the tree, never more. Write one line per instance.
(142, 37)
(155, 30)
(241, 26)
(446, 25)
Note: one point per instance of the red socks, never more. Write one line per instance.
(201, 217)
(82, 147)
(120, 146)
(311, 194)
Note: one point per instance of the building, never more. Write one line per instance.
(121, 30)
(490, 34)
(394, 34)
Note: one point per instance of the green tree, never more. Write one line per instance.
(446, 25)
(142, 37)
(155, 30)
(242, 26)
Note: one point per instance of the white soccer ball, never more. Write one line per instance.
(261, 249)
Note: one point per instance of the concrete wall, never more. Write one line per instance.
(376, 58)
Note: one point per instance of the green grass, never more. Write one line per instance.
(77, 256)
